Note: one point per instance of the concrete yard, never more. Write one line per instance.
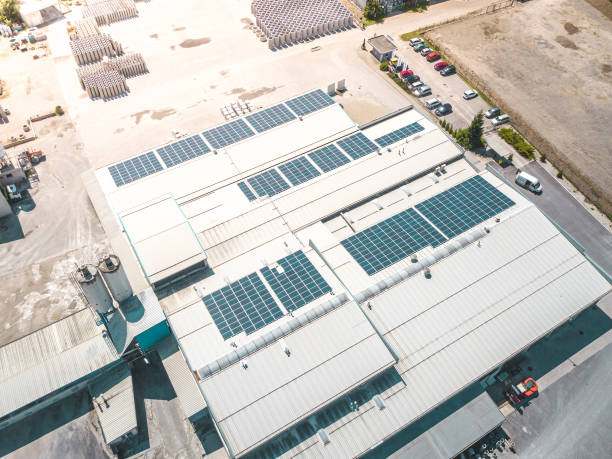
(557, 92)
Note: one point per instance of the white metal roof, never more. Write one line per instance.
(328, 357)
(52, 358)
(113, 400)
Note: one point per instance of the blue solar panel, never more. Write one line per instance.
(310, 102)
(247, 191)
(464, 206)
(245, 305)
(329, 158)
(268, 183)
(228, 134)
(357, 145)
(296, 281)
(299, 170)
(183, 150)
(399, 134)
(135, 168)
(270, 117)
(391, 240)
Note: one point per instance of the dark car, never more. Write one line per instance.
(492, 112)
(412, 78)
(419, 47)
(448, 70)
(444, 109)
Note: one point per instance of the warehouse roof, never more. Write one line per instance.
(382, 44)
(52, 357)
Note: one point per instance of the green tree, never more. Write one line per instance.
(373, 10)
(9, 11)
(474, 132)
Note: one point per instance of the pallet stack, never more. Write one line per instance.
(105, 84)
(93, 48)
(128, 65)
(105, 12)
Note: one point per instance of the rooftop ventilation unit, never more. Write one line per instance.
(379, 402)
(407, 191)
(377, 203)
(323, 436)
(284, 347)
(427, 273)
(414, 258)
(244, 364)
(438, 170)
(443, 167)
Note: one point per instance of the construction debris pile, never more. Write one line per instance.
(291, 21)
(105, 12)
(128, 65)
(93, 48)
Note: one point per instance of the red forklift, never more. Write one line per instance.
(521, 391)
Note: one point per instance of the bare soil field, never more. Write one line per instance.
(548, 64)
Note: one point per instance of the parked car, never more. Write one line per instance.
(521, 391)
(469, 94)
(501, 119)
(423, 90)
(529, 182)
(440, 65)
(419, 47)
(433, 56)
(6, 111)
(415, 41)
(406, 73)
(432, 103)
(444, 109)
(412, 78)
(449, 70)
(492, 112)
(416, 85)
(425, 51)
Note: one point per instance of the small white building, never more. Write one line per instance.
(37, 12)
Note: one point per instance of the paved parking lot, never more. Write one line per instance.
(448, 89)
(562, 207)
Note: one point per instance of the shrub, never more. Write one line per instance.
(59, 111)
(384, 66)
(560, 174)
(510, 156)
(543, 158)
(373, 10)
(517, 141)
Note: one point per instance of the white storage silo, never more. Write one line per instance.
(115, 277)
(93, 287)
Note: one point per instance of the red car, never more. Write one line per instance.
(521, 391)
(406, 73)
(440, 65)
(433, 56)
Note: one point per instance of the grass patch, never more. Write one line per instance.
(518, 142)
(410, 35)
(369, 22)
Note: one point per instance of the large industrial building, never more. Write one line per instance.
(329, 284)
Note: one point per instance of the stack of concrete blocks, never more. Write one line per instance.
(128, 65)
(105, 12)
(86, 27)
(93, 48)
(105, 84)
(290, 21)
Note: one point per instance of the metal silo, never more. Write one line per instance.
(115, 277)
(93, 287)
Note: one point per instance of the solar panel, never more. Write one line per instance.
(399, 134)
(228, 134)
(245, 305)
(268, 183)
(299, 170)
(391, 240)
(328, 158)
(310, 102)
(135, 168)
(247, 191)
(270, 117)
(296, 281)
(463, 206)
(183, 150)
(357, 145)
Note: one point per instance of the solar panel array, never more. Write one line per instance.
(329, 158)
(247, 191)
(245, 305)
(299, 170)
(268, 183)
(135, 168)
(391, 240)
(463, 206)
(308, 103)
(399, 134)
(270, 117)
(183, 150)
(297, 282)
(357, 145)
(228, 134)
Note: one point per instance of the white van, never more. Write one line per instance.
(528, 181)
(501, 119)
(415, 41)
(432, 103)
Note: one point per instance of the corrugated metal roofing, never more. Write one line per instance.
(328, 357)
(113, 401)
(52, 358)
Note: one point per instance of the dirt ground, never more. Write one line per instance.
(537, 61)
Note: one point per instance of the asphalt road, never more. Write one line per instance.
(570, 214)
(570, 419)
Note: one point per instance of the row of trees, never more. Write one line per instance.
(9, 11)
(469, 138)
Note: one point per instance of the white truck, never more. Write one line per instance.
(529, 182)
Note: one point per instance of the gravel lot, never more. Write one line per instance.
(548, 64)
